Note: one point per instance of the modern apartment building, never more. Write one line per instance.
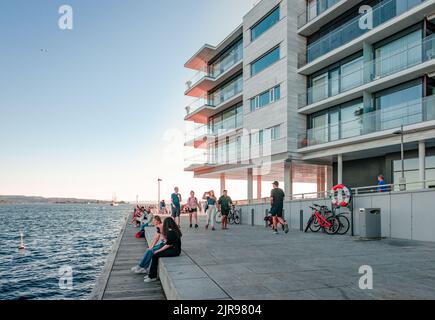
(316, 92)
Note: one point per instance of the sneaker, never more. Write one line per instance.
(286, 229)
(275, 232)
(196, 226)
(206, 227)
(213, 229)
(149, 280)
(190, 226)
(139, 270)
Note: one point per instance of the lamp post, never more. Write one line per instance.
(158, 191)
(402, 182)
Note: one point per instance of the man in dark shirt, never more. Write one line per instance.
(277, 196)
(225, 204)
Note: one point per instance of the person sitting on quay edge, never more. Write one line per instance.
(143, 265)
(172, 248)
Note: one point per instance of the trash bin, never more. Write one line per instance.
(370, 223)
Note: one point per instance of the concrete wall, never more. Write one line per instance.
(405, 215)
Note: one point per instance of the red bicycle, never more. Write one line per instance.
(317, 221)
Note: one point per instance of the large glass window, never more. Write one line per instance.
(227, 60)
(400, 106)
(411, 171)
(399, 54)
(265, 61)
(228, 91)
(265, 98)
(352, 74)
(265, 24)
(351, 120)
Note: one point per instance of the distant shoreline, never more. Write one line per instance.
(22, 200)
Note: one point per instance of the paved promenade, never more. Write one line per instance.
(252, 263)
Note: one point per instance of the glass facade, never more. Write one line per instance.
(265, 61)
(229, 90)
(265, 98)
(229, 119)
(341, 77)
(230, 58)
(412, 171)
(347, 29)
(317, 7)
(265, 24)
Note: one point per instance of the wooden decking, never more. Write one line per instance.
(117, 282)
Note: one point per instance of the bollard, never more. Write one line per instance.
(265, 221)
(301, 220)
(252, 217)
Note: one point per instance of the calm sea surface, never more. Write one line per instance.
(58, 238)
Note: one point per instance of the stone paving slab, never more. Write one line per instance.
(251, 263)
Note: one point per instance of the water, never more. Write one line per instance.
(56, 236)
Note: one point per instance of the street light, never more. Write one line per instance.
(158, 187)
(402, 182)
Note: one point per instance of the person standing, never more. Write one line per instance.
(176, 206)
(162, 207)
(382, 184)
(211, 208)
(225, 204)
(277, 196)
(193, 206)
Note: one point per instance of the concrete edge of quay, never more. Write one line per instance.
(183, 279)
(101, 284)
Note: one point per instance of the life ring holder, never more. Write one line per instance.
(340, 196)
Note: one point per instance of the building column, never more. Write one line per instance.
(340, 169)
(222, 180)
(259, 187)
(329, 178)
(250, 186)
(422, 162)
(288, 179)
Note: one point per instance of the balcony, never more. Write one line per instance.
(205, 106)
(407, 113)
(202, 135)
(211, 76)
(389, 17)
(334, 89)
(316, 9)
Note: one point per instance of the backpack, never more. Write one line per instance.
(140, 234)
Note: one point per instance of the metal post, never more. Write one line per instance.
(158, 192)
(252, 217)
(301, 220)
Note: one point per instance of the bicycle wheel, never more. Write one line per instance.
(344, 225)
(315, 226)
(335, 225)
(218, 217)
(236, 218)
(231, 218)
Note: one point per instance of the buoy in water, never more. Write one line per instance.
(22, 246)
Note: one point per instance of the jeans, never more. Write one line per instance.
(146, 260)
(211, 215)
(170, 252)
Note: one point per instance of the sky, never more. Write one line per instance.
(99, 109)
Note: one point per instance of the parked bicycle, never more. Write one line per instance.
(344, 221)
(233, 216)
(318, 221)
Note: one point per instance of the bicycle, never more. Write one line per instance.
(317, 221)
(233, 216)
(344, 221)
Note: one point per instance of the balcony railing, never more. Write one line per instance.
(216, 70)
(223, 127)
(406, 113)
(218, 98)
(407, 57)
(314, 10)
(382, 12)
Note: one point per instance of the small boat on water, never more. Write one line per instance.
(22, 246)
(114, 201)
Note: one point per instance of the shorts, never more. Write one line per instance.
(225, 212)
(194, 210)
(277, 211)
(176, 212)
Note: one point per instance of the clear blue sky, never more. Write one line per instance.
(91, 114)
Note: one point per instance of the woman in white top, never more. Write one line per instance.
(211, 208)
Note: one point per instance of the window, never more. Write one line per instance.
(266, 98)
(275, 132)
(228, 91)
(352, 74)
(265, 24)
(412, 171)
(351, 124)
(257, 138)
(227, 60)
(399, 54)
(265, 61)
(400, 105)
